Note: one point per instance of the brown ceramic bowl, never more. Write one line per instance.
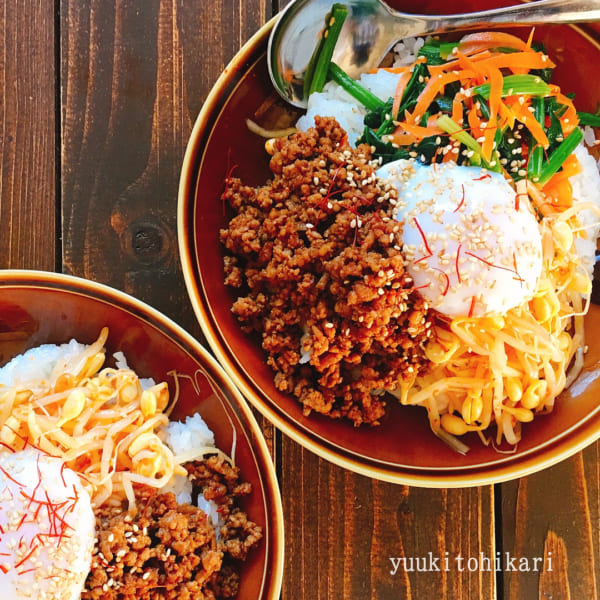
(402, 449)
(38, 307)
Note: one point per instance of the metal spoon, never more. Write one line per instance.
(372, 28)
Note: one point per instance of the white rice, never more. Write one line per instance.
(586, 188)
(407, 50)
(191, 439)
(38, 365)
(121, 363)
(333, 101)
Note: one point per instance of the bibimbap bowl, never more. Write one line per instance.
(402, 447)
(39, 308)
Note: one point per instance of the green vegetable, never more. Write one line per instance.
(485, 109)
(415, 85)
(554, 110)
(437, 52)
(512, 85)
(357, 91)
(558, 157)
(536, 152)
(458, 133)
(387, 152)
(376, 118)
(589, 119)
(425, 149)
(316, 72)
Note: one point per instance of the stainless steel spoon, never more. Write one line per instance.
(372, 28)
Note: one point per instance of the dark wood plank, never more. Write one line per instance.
(134, 75)
(553, 515)
(27, 140)
(343, 530)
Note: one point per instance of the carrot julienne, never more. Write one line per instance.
(491, 88)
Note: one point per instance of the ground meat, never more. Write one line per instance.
(170, 551)
(317, 260)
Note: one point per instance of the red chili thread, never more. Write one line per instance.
(38, 484)
(62, 473)
(491, 264)
(21, 521)
(9, 476)
(230, 170)
(472, 307)
(456, 262)
(324, 201)
(7, 446)
(462, 200)
(421, 287)
(447, 279)
(517, 201)
(26, 557)
(486, 176)
(518, 277)
(427, 248)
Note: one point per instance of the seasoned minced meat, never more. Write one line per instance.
(316, 256)
(169, 551)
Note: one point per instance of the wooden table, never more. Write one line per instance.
(97, 101)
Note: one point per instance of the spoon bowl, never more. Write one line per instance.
(372, 28)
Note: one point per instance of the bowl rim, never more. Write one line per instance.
(273, 568)
(548, 454)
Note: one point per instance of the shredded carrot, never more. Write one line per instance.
(569, 119)
(489, 135)
(518, 61)
(391, 69)
(507, 113)
(465, 63)
(435, 86)
(453, 64)
(401, 138)
(570, 167)
(457, 108)
(496, 80)
(474, 122)
(560, 192)
(476, 42)
(421, 132)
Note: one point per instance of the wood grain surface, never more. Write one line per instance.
(28, 123)
(98, 100)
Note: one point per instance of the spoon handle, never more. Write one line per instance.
(528, 13)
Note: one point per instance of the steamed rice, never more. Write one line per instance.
(192, 438)
(586, 188)
(334, 101)
(38, 365)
